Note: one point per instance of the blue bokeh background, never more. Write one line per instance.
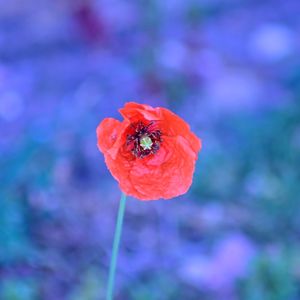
(230, 68)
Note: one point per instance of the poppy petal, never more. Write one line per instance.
(164, 172)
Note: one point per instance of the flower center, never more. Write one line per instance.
(143, 140)
(146, 142)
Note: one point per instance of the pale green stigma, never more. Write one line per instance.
(146, 143)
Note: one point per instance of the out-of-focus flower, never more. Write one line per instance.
(234, 90)
(272, 42)
(229, 262)
(152, 153)
(11, 106)
(90, 24)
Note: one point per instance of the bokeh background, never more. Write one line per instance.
(231, 68)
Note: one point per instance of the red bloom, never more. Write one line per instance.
(152, 153)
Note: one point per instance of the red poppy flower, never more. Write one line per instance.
(151, 153)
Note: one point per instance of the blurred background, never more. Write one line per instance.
(230, 68)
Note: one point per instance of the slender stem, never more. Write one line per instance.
(115, 250)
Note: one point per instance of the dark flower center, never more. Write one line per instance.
(143, 140)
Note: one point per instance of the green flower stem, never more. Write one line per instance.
(115, 250)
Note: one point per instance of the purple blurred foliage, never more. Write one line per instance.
(65, 65)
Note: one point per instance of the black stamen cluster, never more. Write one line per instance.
(139, 131)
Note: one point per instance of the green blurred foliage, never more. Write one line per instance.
(253, 166)
(151, 288)
(272, 278)
(15, 244)
(18, 289)
(91, 286)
